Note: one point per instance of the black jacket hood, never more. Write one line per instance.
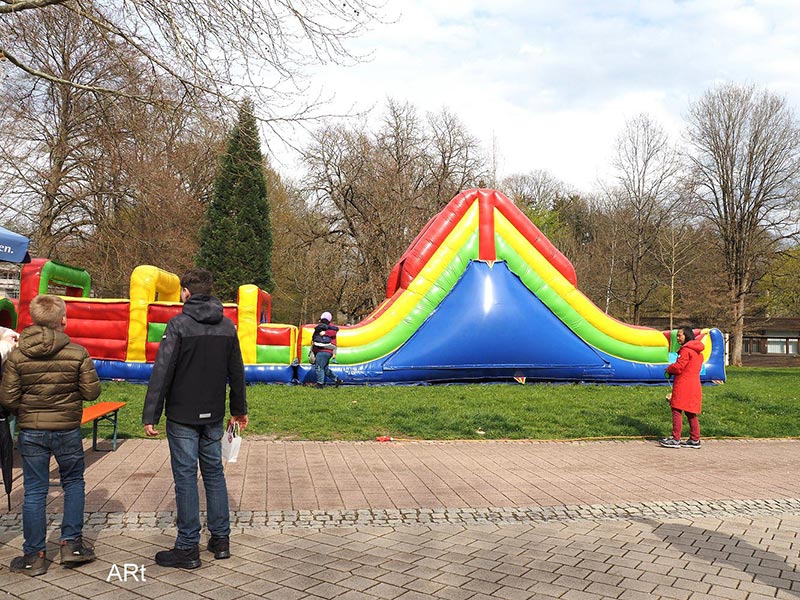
(198, 357)
(203, 309)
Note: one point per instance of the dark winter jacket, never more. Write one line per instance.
(46, 380)
(198, 356)
(324, 338)
(687, 393)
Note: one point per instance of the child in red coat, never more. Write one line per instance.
(687, 393)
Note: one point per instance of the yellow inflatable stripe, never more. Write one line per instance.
(419, 286)
(580, 303)
(96, 300)
(706, 344)
(248, 322)
(147, 284)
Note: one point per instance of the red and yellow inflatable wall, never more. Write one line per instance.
(130, 330)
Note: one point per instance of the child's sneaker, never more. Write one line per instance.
(670, 442)
(690, 444)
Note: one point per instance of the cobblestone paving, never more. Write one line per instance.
(318, 519)
(735, 533)
(631, 552)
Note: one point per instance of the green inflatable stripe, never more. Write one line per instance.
(55, 272)
(674, 345)
(155, 331)
(275, 355)
(421, 311)
(8, 306)
(570, 317)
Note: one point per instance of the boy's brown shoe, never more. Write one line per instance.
(31, 564)
(75, 552)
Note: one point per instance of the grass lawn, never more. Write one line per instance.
(753, 403)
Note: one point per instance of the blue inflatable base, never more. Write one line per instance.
(138, 372)
(489, 329)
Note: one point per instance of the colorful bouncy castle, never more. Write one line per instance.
(122, 335)
(480, 295)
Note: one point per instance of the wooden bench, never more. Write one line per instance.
(102, 411)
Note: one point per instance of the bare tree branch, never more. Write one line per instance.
(15, 6)
(646, 169)
(53, 79)
(746, 174)
(257, 49)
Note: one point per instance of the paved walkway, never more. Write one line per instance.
(454, 520)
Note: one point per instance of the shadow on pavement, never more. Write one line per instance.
(642, 428)
(765, 567)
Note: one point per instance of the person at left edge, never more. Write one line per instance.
(46, 380)
(198, 357)
(8, 341)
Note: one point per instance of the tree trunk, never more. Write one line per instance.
(738, 331)
(610, 281)
(671, 298)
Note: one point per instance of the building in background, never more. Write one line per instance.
(9, 280)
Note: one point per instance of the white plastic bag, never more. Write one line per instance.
(231, 442)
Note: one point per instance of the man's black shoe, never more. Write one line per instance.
(179, 558)
(220, 546)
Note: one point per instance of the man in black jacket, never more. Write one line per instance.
(198, 356)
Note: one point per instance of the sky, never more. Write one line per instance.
(550, 83)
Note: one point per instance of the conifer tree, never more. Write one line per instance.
(236, 237)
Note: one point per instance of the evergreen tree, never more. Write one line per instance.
(236, 237)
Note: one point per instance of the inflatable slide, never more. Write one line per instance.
(482, 295)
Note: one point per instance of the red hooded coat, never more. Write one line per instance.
(687, 393)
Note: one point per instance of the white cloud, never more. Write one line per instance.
(554, 82)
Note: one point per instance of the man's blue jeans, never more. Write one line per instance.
(187, 445)
(321, 367)
(36, 447)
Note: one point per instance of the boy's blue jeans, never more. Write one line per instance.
(189, 444)
(36, 446)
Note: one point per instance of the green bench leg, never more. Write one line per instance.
(114, 447)
(113, 419)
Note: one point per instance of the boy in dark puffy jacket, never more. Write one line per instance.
(46, 380)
